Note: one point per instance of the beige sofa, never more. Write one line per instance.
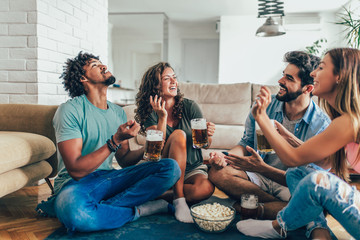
(27, 145)
(226, 105)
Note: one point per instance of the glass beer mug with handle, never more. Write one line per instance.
(263, 145)
(249, 206)
(153, 145)
(199, 133)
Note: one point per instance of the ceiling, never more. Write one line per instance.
(210, 10)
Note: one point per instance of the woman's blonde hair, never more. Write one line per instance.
(347, 66)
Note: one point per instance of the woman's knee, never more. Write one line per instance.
(208, 187)
(178, 137)
(204, 190)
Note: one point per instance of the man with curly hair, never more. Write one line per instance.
(89, 194)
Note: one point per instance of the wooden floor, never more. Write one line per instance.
(18, 219)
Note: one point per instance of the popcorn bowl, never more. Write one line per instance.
(212, 217)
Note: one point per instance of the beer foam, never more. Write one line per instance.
(250, 203)
(154, 137)
(198, 125)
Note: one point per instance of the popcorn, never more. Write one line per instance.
(212, 217)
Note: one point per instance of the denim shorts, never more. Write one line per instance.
(202, 169)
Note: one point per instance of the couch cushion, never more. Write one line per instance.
(20, 177)
(141, 139)
(33, 118)
(129, 110)
(226, 136)
(19, 149)
(219, 100)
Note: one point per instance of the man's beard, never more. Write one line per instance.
(109, 81)
(288, 97)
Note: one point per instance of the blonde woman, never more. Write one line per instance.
(336, 82)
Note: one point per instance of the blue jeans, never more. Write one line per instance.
(109, 199)
(293, 178)
(321, 190)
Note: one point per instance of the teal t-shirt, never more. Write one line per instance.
(190, 111)
(79, 118)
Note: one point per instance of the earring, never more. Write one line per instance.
(337, 82)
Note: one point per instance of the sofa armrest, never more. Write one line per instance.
(30, 118)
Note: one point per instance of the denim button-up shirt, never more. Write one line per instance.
(312, 123)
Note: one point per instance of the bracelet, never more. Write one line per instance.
(111, 143)
(110, 146)
(117, 146)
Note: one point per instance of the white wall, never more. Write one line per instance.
(146, 34)
(134, 35)
(36, 38)
(247, 58)
(178, 31)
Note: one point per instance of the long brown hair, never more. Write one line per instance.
(347, 66)
(150, 86)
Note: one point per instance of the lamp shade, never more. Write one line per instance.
(270, 29)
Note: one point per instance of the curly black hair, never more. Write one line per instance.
(306, 64)
(150, 86)
(73, 71)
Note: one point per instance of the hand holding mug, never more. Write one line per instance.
(199, 132)
(153, 145)
(210, 129)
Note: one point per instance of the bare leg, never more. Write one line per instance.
(276, 226)
(234, 183)
(320, 234)
(167, 196)
(175, 148)
(198, 188)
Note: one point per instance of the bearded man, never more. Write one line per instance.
(297, 117)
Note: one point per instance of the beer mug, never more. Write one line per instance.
(263, 145)
(199, 133)
(249, 206)
(153, 145)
